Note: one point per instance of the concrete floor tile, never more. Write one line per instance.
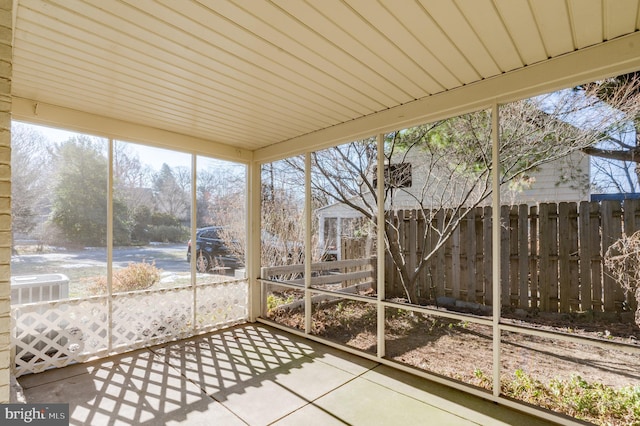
(448, 399)
(343, 360)
(310, 415)
(312, 379)
(363, 402)
(261, 402)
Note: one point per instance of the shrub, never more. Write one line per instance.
(274, 301)
(168, 233)
(136, 276)
(164, 219)
(623, 260)
(575, 397)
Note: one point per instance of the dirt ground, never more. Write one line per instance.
(462, 350)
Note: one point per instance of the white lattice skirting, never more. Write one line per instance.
(59, 333)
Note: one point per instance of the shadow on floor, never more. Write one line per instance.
(254, 374)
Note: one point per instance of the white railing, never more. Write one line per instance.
(59, 333)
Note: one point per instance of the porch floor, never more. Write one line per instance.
(257, 375)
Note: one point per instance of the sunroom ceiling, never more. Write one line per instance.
(252, 73)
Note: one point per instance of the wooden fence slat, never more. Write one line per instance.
(544, 235)
(463, 273)
(607, 231)
(584, 251)
(504, 256)
(487, 259)
(440, 258)
(574, 265)
(551, 255)
(478, 257)
(563, 256)
(523, 256)
(514, 263)
(631, 210)
(618, 291)
(455, 263)
(411, 239)
(596, 257)
(392, 282)
(533, 258)
(552, 272)
(424, 287)
(470, 256)
(611, 231)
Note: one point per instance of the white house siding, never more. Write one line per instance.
(548, 184)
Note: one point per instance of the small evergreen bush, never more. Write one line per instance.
(168, 233)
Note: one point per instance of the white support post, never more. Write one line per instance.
(495, 231)
(110, 246)
(194, 225)
(253, 241)
(308, 307)
(380, 248)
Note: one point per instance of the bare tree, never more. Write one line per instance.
(217, 190)
(133, 179)
(169, 192)
(619, 145)
(30, 162)
(452, 163)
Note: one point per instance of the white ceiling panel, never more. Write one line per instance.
(251, 74)
(487, 24)
(587, 18)
(619, 17)
(521, 26)
(552, 18)
(427, 31)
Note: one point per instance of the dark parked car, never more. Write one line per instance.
(211, 251)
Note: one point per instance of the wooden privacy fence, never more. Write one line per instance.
(551, 255)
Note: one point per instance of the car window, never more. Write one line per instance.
(210, 233)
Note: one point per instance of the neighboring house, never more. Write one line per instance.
(566, 179)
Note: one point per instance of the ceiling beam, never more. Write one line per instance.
(607, 59)
(68, 119)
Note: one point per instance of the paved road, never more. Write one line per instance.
(169, 257)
